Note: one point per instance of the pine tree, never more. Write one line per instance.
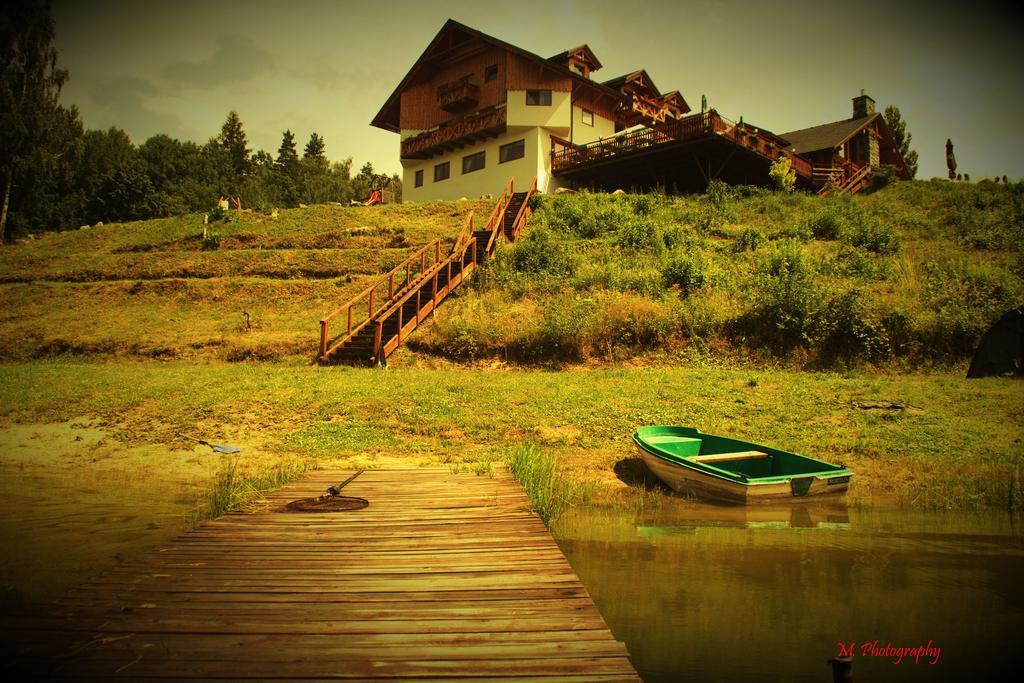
(232, 139)
(316, 152)
(898, 128)
(31, 118)
(287, 156)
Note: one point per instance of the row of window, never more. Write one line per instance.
(475, 162)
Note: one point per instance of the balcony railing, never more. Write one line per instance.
(458, 95)
(476, 126)
(565, 155)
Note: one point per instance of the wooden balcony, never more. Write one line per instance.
(458, 96)
(566, 156)
(452, 135)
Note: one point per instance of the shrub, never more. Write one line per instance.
(869, 232)
(749, 240)
(827, 223)
(566, 327)
(539, 252)
(685, 271)
(781, 175)
(211, 240)
(961, 301)
(846, 330)
(640, 233)
(787, 302)
(988, 217)
(857, 262)
(885, 175)
(719, 194)
(648, 204)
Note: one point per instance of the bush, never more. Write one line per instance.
(827, 223)
(988, 217)
(685, 271)
(961, 302)
(540, 253)
(846, 330)
(869, 232)
(211, 240)
(782, 176)
(844, 220)
(719, 194)
(749, 240)
(640, 233)
(885, 175)
(786, 300)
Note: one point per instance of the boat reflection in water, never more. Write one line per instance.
(799, 516)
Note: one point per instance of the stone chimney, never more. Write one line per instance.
(863, 105)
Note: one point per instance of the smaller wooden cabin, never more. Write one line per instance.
(849, 148)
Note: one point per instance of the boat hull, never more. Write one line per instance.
(705, 485)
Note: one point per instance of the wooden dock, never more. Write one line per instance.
(443, 577)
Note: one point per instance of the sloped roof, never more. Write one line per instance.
(827, 135)
(638, 75)
(676, 98)
(583, 51)
(388, 116)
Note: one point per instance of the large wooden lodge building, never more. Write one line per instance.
(474, 111)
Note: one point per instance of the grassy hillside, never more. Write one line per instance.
(913, 273)
(158, 289)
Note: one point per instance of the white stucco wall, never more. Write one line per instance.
(555, 116)
(582, 133)
(489, 180)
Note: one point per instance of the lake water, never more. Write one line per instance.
(709, 593)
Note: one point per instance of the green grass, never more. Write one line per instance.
(151, 289)
(242, 486)
(956, 446)
(910, 275)
(550, 491)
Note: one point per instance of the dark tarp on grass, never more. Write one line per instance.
(1001, 351)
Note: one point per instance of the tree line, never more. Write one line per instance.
(55, 174)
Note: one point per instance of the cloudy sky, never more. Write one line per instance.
(955, 70)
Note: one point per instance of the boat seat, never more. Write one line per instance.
(730, 457)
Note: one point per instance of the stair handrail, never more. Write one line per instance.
(524, 210)
(465, 234)
(370, 292)
(496, 221)
(458, 254)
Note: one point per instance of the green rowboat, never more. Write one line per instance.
(725, 469)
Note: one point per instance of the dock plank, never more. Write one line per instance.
(444, 576)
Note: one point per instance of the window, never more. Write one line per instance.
(490, 73)
(418, 182)
(442, 172)
(473, 162)
(540, 98)
(588, 117)
(512, 151)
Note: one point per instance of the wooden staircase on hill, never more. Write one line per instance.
(382, 316)
(848, 178)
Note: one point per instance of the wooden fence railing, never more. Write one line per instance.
(496, 221)
(523, 214)
(456, 267)
(410, 299)
(566, 155)
(394, 281)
